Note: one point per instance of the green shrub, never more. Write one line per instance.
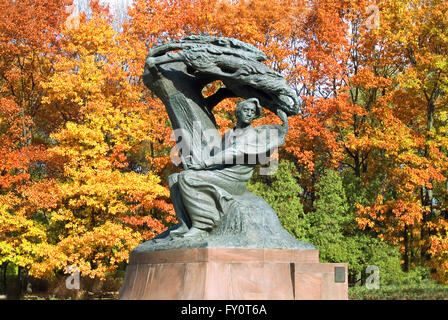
(331, 226)
(426, 290)
(282, 191)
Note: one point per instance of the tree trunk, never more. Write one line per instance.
(19, 281)
(427, 198)
(3, 268)
(406, 250)
(430, 126)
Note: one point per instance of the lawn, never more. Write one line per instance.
(423, 291)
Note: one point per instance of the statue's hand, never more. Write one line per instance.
(282, 115)
(150, 62)
(151, 73)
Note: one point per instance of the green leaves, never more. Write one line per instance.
(282, 191)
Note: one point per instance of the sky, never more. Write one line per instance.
(118, 7)
(113, 3)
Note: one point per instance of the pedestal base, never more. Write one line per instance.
(233, 274)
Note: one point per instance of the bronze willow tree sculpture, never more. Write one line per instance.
(212, 204)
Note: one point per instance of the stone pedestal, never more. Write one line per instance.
(233, 274)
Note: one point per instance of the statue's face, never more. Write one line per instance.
(247, 113)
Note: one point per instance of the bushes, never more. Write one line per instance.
(331, 225)
(282, 192)
(326, 225)
(333, 229)
(426, 290)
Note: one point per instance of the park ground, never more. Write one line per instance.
(108, 289)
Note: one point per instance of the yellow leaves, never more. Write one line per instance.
(361, 144)
(99, 250)
(92, 37)
(61, 215)
(116, 207)
(104, 121)
(20, 237)
(90, 65)
(80, 142)
(17, 221)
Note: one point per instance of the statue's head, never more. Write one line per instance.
(248, 110)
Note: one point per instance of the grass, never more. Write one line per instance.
(422, 291)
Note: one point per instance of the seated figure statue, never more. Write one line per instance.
(202, 194)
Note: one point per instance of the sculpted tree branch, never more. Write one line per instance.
(210, 196)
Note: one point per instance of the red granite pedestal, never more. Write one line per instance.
(233, 274)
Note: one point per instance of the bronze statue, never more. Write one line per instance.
(212, 205)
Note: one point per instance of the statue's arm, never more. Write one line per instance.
(282, 115)
(284, 127)
(224, 157)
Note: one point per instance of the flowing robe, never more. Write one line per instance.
(208, 193)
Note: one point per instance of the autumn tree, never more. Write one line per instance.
(28, 38)
(408, 145)
(423, 86)
(109, 198)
